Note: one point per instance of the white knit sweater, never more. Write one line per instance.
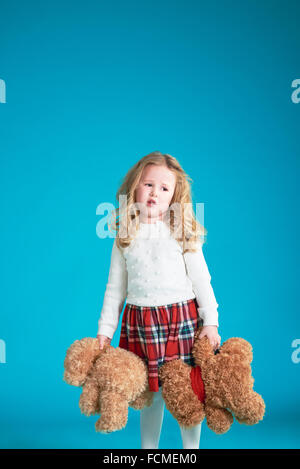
(153, 271)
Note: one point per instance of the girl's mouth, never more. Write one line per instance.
(151, 202)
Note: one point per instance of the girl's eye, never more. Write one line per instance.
(148, 184)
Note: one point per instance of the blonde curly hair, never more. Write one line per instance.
(185, 228)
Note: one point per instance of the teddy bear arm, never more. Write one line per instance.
(114, 411)
(218, 420)
(145, 399)
(89, 402)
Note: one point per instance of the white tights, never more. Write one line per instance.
(151, 422)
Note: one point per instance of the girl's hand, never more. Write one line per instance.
(212, 334)
(103, 340)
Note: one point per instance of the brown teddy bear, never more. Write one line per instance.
(112, 379)
(218, 386)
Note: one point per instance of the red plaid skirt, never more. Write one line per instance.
(159, 334)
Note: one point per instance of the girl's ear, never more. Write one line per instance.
(79, 359)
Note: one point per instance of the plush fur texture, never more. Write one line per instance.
(112, 379)
(228, 386)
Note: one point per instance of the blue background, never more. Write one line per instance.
(91, 87)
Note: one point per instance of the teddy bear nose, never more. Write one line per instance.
(217, 351)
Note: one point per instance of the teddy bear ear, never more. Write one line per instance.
(237, 346)
(79, 359)
(202, 350)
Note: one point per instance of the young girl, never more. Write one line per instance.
(158, 264)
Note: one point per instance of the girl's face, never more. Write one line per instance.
(155, 191)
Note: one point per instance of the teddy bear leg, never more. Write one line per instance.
(251, 410)
(179, 397)
(89, 399)
(114, 412)
(143, 400)
(218, 420)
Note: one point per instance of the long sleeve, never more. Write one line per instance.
(198, 273)
(115, 294)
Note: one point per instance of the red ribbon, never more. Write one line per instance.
(197, 383)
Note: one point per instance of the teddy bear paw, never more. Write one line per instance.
(88, 408)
